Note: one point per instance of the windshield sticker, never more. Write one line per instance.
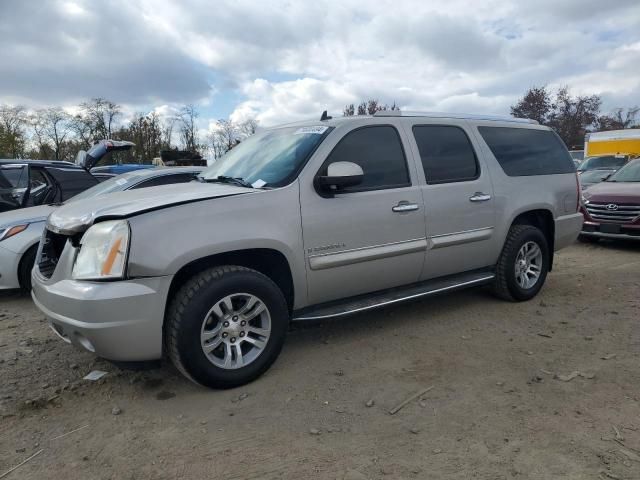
(258, 183)
(313, 130)
(121, 181)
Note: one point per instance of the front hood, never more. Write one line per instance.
(612, 192)
(78, 216)
(25, 215)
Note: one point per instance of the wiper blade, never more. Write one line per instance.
(226, 179)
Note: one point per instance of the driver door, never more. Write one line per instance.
(371, 236)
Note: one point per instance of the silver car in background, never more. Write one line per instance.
(307, 221)
(20, 230)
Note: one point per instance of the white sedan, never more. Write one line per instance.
(20, 230)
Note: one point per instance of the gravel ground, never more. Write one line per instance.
(504, 399)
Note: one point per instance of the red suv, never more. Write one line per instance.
(611, 209)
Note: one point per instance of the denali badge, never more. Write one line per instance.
(612, 206)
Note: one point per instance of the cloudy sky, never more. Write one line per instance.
(283, 60)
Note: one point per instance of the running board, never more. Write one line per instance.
(369, 301)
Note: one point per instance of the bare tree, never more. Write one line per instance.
(188, 128)
(349, 110)
(99, 117)
(248, 127)
(368, 107)
(227, 134)
(618, 119)
(571, 117)
(12, 135)
(167, 132)
(536, 105)
(51, 127)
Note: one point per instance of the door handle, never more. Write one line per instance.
(479, 197)
(405, 207)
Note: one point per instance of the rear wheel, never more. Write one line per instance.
(25, 267)
(226, 326)
(523, 264)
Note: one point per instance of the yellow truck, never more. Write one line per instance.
(614, 142)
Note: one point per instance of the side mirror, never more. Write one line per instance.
(341, 175)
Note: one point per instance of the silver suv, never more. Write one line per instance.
(306, 221)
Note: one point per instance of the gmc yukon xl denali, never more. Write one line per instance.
(305, 221)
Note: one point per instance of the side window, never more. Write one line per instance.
(165, 180)
(527, 151)
(71, 181)
(378, 150)
(39, 187)
(446, 154)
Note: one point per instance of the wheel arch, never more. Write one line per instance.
(31, 248)
(269, 262)
(541, 218)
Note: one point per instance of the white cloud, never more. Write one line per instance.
(283, 60)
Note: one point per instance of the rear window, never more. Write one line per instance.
(525, 151)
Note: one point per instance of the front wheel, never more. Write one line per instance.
(226, 326)
(523, 264)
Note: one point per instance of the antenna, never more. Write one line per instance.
(324, 116)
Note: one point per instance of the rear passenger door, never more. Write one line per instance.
(458, 198)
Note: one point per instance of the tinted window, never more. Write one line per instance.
(166, 180)
(378, 150)
(40, 190)
(446, 154)
(72, 180)
(525, 151)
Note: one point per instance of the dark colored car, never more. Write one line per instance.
(611, 209)
(27, 183)
(591, 177)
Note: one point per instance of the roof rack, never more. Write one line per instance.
(465, 116)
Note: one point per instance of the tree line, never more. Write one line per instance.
(53, 133)
(572, 116)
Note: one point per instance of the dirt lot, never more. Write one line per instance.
(495, 409)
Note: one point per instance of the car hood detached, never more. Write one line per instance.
(78, 216)
(623, 192)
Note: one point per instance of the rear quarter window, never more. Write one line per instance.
(527, 151)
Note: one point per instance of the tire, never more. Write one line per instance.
(216, 308)
(25, 266)
(508, 284)
(588, 239)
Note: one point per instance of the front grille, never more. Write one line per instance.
(52, 247)
(613, 212)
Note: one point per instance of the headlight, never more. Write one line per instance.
(11, 231)
(103, 251)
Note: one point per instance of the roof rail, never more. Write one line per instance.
(465, 116)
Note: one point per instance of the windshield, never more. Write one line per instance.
(606, 161)
(628, 173)
(269, 159)
(595, 176)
